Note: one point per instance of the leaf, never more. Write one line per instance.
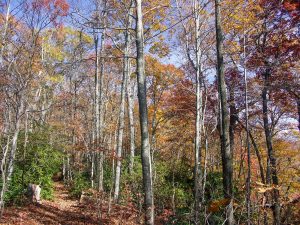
(217, 205)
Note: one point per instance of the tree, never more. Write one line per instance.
(143, 113)
(126, 76)
(224, 123)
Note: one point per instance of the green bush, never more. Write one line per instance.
(79, 183)
(164, 187)
(34, 164)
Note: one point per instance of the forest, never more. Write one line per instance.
(150, 112)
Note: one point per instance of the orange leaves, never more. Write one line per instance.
(62, 5)
(291, 5)
(55, 8)
(217, 205)
(160, 49)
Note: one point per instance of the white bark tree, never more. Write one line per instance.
(143, 114)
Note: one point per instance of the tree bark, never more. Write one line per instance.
(99, 76)
(6, 23)
(259, 159)
(126, 72)
(248, 182)
(143, 112)
(225, 142)
(298, 107)
(233, 115)
(271, 157)
(130, 97)
(11, 158)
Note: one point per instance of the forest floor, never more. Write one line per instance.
(64, 209)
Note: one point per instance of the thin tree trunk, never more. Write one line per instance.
(143, 112)
(101, 113)
(225, 142)
(14, 142)
(130, 96)
(233, 115)
(126, 72)
(4, 161)
(199, 111)
(248, 183)
(92, 168)
(271, 157)
(98, 102)
(99, 77)
(6, 23)
(12, 155)
(298, 107)
(255, 147)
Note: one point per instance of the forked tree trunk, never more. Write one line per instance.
(224, 126)
(126, 72)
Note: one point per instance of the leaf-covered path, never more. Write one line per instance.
(66, 210)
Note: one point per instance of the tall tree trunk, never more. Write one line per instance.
(98, 107)
(142, 97)
(248, 182)
(92, 168)
(255, 147)
(126, 72)
(225, 142)
(4, 157)
(101, 115)
(199, 109)
(298, 107)
(99, 77)
(97, 103)
(271, 156)
(6, 23)
(233, 115)
(11, 158)
(130, 97)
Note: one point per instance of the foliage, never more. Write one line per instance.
(36, 163)
(79, 183)
(168, 181)
(53, 65)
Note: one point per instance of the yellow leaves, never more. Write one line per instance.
(55, 79)
(57, 44)
(160, 49)
(263, 188)
(133, 75)
(259, 183)
(54, 52)
(75, 36)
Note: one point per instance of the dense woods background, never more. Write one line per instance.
(186, 110)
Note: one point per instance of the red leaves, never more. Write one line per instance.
(55, 8)
(291, 5)
(61, 7)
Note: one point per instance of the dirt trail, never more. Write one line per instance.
(65, 210)
(62, 210)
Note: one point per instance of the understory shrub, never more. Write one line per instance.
(35, 162)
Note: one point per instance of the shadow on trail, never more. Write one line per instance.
(65, 210)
